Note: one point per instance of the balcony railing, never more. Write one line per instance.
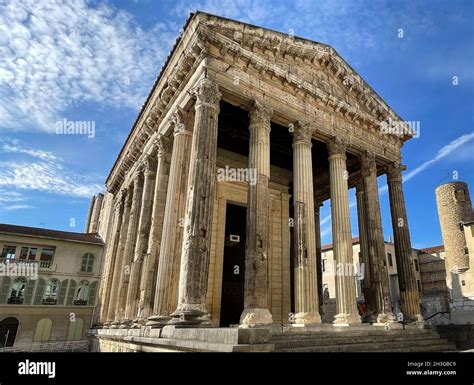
(45, 264)
(15, 300)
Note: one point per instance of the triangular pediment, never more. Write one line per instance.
(317, 64)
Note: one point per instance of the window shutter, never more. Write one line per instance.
(62, 292)
(30, 288)
(40, 286)
(4, 289)
(92, 294)
(71, 292)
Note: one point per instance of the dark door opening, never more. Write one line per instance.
(8, 329)
(233, 274)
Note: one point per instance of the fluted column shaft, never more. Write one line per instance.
(410, 298)
(150, 262)
(111, 258)
(170, 252)
(120, 257)
(144, 224)
(319, 268)
(306, 293)
(258, 221)
(341, 233)
(130, 246)
(371, 311)
(195, 255)
(375, 241)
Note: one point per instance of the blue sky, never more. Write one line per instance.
(96, 61)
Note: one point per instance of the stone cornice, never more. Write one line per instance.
(270, 69)
(171, 81)
(264, 42)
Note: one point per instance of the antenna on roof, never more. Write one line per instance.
(42, 225)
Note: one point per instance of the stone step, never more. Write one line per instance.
(346, 341)
(388, 346)
(286, 335)
(447, 347)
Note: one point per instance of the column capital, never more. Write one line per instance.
(337, 146)
(163, 145)
(207, 93)
(149, 164)
(359, 183)
(260, 115)
(178, 120)
(394, 171)
(302, 132)
(369, 165)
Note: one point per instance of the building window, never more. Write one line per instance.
(82, 294)
(418, 283)
(325, 261)
(417, 266)
(87, 263)
(389, 257)
(17, 292)
(51, 293)
(46, 259)
(32, 255)
(24, 253)
(9, 252)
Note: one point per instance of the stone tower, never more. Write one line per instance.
(454, 208)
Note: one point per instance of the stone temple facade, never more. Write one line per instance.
(213, 203)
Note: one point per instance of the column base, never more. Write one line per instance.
(346, 319)
(194, 315)
(255, 317)
(305, 318)
(384, 318)
(157, 321)
(125, 324)
(369, 318)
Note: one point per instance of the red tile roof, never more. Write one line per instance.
(329, 245)
(433, 249)
(53, 234)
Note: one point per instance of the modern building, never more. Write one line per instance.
(48, 284)
(330, 271)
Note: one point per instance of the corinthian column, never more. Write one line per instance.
(119, 257)
(410, 299)
(170, 252)
(371, 311)
(150, 262)
(306, 293)
(111, 258)
(375, 241)
(319, 269)
(258, 221)
(346, 307)
(130, 246)
(195, 255)
(144, 225)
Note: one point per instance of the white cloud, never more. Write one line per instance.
(57, 55)
(442, 153)
(13, 145)
(48, 174)
(17, 207)
(455, 144)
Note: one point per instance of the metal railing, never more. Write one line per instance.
(60, 346)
